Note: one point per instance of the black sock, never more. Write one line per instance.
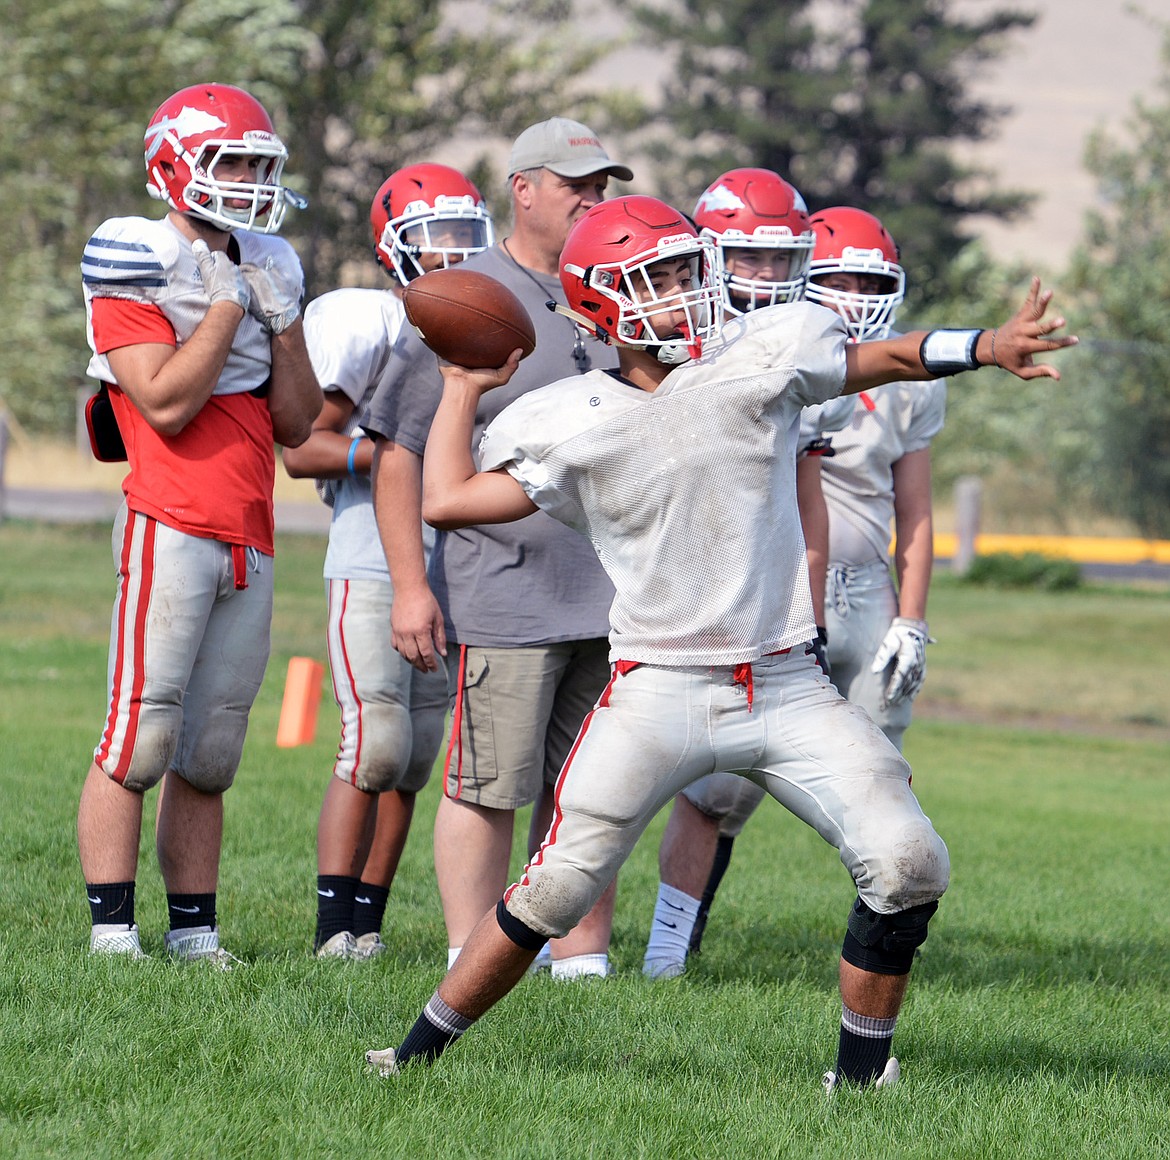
(110, 902)
(334, 906)
(369, 908)
(433, 1032)
(190, 910)
(864, 1046)
(718, 868)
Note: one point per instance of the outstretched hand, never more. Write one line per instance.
(1027, 333)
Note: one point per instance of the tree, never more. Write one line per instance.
(1122, 271)
(386, 83)
(357, 88)
(855, 101)
(77, 83)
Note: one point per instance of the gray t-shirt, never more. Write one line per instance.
(507, 585)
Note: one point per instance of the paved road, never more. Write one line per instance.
(87, 507)
(90, 507)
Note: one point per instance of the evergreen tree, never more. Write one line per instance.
(356, 87)
(856, 102)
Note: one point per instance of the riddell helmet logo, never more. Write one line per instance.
(186, 124)
(719, 198)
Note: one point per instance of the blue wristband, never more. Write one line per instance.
(349, 464)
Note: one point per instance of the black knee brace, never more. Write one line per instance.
(519, 932)
(885, 943)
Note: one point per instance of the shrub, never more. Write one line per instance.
(1030, 570)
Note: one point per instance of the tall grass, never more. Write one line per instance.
(1035, 1027)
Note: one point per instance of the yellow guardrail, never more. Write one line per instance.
(1083, 549)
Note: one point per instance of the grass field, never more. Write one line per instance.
(1036, 1024)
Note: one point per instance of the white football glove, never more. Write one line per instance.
(222, 278)
(275, 296)
(904, 647)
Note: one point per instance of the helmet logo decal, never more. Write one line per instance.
(720, 198)
(260, 137)
(189, 122)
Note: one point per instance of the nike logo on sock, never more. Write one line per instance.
(672, 925)
(672, 905)
(185, 909)
(325, 893)
(95, 901)
(363, 901)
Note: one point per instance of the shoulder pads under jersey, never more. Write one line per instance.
(130, 258)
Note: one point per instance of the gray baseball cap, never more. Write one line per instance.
(566, 148)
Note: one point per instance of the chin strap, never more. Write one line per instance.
(580, 319)
(671, 356)
(667, 355)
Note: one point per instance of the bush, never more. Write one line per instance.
(1031, 570)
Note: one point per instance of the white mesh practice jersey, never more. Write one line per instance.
(349, 334)
(688, 493)
(858, 481)
(818, 423)
(149, 261)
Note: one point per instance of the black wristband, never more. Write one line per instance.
(947, 352)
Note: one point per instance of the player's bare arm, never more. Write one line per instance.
(1011, 347)
(455, 494)
(294, 399)
(170, 385)
(417, 631)
(913, 531)
(325, 454)
(814, 522)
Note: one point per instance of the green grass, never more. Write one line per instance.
(1036, 1021)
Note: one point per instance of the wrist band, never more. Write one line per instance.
(349, 464)
(947, 352)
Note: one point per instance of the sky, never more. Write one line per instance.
(1079, 67)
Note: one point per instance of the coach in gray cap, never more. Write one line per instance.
(564, 147)
(519, 611)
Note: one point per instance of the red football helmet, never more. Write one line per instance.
(427, 209)
(605, 275)
(756, 209)
(851, 241)
(189, 134)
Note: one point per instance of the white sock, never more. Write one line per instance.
(581, 967)
(542, 961)
(670, 933)
(452, 955)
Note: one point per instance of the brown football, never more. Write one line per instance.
(468, 318)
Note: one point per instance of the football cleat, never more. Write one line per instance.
(116, 940)
(887, 1079)
(664, 968)
(385, 1061)
(199, 946)
(368, 946)
(341, 946)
